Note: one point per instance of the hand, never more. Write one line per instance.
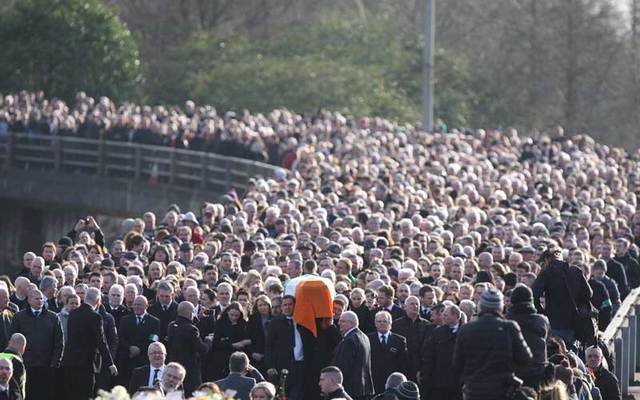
(79, 225)
(113, 370)
(92, 222)
(133, 351)
(237, 345)
(272, 372)
(257, 356)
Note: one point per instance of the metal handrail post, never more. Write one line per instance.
(637, 364)
(624, 378)
(633, 343)
(619, 357)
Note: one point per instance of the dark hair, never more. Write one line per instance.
(425, 289)
(234, 305)
(238, 362)
(134, 240)
(211, 294)
(510, 279)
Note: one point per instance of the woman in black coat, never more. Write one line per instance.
(257, 327)
(230, 335)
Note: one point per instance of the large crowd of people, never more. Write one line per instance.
(466, 265)
(267, 138)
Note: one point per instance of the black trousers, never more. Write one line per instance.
(39, 383)
(295, 381)
(445, 394)
(78, 383)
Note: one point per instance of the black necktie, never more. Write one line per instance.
(36, 313)
(139, 320)
(155, 379)
(383, 340)
(164, 308)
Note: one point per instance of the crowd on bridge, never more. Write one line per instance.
(465, 265)
(271, 138)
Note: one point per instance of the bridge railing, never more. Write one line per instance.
(179, 168)
(621, 338)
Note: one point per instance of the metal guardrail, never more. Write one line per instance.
(621, 338)
(179, 168)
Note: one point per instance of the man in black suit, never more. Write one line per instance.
(186, 347)
(104, 379)
(9, 389)
(165, 308)
(284, 349)
(85, 339)
(115, 306)
(385, 302)
(137, 332)
(42, 329)
(437, 363)
(353, 357)
(238, 365)
(151, 374)
(388, 351)
(415, 329)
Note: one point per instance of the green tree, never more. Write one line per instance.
(363, 67)
(65, 46)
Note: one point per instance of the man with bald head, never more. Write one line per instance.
(14, 351)
(186, 346)
(137, 331)
(8, 387)
(353, 357)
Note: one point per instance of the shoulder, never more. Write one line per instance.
(397, 337)
(141, 370)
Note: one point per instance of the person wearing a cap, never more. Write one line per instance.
(535, 330)
(488, 349)
(407, 391)
(186, 254)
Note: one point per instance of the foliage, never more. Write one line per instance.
(360, 67)
(65, 46)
